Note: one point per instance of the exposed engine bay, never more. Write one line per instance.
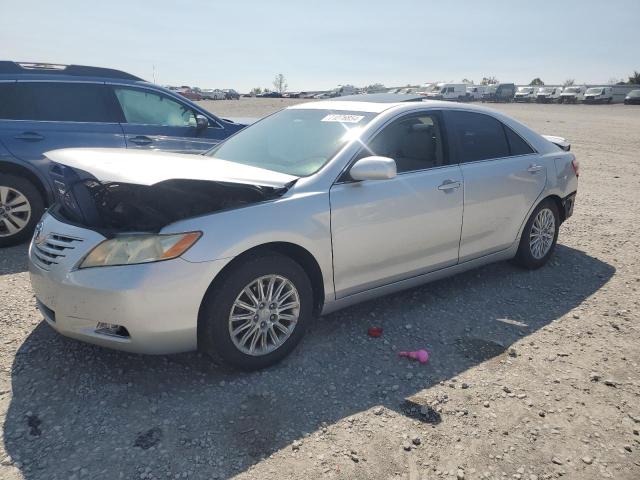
(114, 207)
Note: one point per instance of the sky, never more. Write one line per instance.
(318, 45)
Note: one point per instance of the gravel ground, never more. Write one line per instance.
(532, 375)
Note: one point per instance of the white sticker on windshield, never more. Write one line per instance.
(343, 118)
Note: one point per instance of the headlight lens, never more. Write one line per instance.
(133, 249)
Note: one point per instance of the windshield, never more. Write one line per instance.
(525, 89)
(594, 91)
(293, 141)
(572, 90)
(634, 93)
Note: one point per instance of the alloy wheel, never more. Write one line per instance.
(543, 231)
(264, 315)
(15, 211)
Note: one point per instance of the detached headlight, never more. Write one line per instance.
(134, 249)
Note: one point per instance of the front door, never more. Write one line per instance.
(155, 121)
(388, 230)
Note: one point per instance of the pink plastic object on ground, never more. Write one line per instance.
(421, 355)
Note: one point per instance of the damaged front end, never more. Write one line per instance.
(113, 207)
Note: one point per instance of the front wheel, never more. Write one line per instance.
(539, 236)
(21, 207)
(258, 313)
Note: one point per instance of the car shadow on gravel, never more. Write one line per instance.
(79, 411)
(13, 259)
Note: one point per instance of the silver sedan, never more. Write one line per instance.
(307, 211)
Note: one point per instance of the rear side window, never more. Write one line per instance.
(149, 108)
(477, 136)
(517, 146)
(56, 101)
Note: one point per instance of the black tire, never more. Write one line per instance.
(525, 258)
(35, 201)
(214, 337)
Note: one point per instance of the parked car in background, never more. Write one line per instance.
(474, 92)
(572, 94)
(231, 94)
(212, 94)
(46, 107)
(289, 219)
(548, 94)
(501, 92)
(524, 94)
(632, 98)
(598, 95)
(448, 91)
(269, 95)
(188, 92)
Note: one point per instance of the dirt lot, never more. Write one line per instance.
(533, 375)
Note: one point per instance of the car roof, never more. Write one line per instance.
(380, 98)
(49, 71)
(379, 107)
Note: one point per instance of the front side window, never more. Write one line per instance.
(477, 136)
(56, 101)
(294, 141)
(150, 108)
(414, 142)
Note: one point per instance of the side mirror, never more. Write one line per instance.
(373, 168)
(201, 122)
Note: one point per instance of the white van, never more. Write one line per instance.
(572, 94)
(448, 91)
(548, 94)
(598, 95)
(524, 94)
(474, 92)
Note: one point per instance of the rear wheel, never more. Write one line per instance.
(21, 207)
(539, 236)
(258, 313)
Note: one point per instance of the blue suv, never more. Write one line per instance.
(44, 107)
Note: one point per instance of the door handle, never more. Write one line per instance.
(533, 168)
(141, 140)
(29, 137)
(449, 185)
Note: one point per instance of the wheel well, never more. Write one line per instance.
(13, 169)
(558, 201)
(298, 254)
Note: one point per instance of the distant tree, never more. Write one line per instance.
(635, 78)
(569, 82)
(280, 83)
(616, 81)
(255, 91)
(536, 82)
(489, 80)
(466, 80)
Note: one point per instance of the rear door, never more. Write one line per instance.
(46, 115)
(503, 177)
(153, 120)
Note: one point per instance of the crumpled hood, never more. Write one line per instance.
(145, 167)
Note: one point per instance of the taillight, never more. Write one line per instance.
(576, 167)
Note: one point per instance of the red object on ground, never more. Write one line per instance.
(375, 332)
(421, 355)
